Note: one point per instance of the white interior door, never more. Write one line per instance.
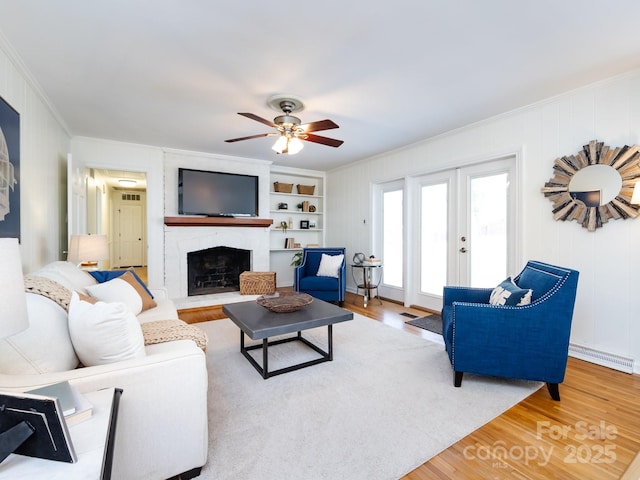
(129, 234)
(466, 229)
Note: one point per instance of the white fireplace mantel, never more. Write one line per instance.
(181, 240)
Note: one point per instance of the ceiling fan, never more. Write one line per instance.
(289, 128)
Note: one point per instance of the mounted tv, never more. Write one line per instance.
(217, 194)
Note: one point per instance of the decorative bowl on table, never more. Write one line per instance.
(285, 302)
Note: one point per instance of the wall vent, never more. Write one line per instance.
(601, 358)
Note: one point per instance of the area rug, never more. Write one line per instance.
(383, 406)
(433, 323)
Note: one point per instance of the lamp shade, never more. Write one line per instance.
(280, 145)
(295, 145)
(13, 314)
(88, 248)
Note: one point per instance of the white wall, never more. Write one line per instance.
(96, 153)
(607, 305)
(44, 143)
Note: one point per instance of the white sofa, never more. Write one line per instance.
(162, 419)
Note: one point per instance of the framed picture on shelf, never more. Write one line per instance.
(304, 224)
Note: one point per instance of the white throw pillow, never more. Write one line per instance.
(44, 347)
(330, 265)
(104, 332)
(66, 274)
(117, 290)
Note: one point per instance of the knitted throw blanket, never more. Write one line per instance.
(49, 289)
(169, 330)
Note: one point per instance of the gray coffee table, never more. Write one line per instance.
(259, 323)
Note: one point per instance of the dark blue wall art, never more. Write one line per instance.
(9, 171)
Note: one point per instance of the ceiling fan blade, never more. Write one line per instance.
(319, 125)
(231, 140)
(258, 119)
(331, 142)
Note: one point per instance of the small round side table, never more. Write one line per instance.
(368, 283)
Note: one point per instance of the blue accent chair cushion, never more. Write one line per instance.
(306, 280)
(529, 342)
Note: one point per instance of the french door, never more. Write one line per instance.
(390, 237)
(464, 230)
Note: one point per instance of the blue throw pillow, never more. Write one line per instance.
(508, 293)
(105, 275)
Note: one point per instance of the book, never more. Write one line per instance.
(75, 407)
(83, 408)
(60, 390)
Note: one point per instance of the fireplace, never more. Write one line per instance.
(216, 270)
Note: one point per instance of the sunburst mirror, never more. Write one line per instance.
(594, 185)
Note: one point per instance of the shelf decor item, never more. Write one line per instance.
(306, 189)
(282, 187)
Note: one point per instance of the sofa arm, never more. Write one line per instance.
(162, 421)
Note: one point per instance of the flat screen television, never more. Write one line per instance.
(217, 194)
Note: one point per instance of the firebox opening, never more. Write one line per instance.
(216, 270)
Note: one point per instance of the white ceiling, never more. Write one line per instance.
(174, 73)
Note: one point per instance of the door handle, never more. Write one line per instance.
(463, 250)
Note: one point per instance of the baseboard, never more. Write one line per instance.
(599, 357)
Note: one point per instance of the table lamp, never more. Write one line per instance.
(13, 319)
(88, 250)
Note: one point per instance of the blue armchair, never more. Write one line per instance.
(529, 342)
(306, 280)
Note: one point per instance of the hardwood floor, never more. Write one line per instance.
(592, 433)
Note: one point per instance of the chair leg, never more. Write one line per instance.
(457, 378)
(554, 391)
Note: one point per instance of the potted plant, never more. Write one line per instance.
(296, 260)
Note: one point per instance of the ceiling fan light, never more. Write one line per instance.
(280, 145)
(295, 145)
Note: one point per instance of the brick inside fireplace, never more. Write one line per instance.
(216, 270)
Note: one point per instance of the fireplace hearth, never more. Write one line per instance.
(216, 270)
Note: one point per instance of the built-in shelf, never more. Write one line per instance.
(217, 222)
